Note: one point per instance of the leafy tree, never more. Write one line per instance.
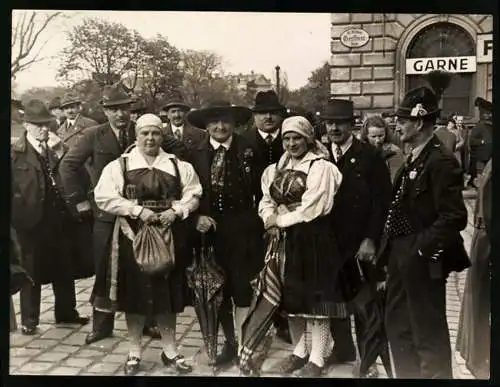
(316, 92)
(27, 30)
(45, 94)
(100, 50)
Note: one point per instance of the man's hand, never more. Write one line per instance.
(148, 216)
(83, 207)
(272, 232)
(270, 222)
(167, 217)
(204, 223)
(366, 251)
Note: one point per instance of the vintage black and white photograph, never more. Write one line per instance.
(251, 194)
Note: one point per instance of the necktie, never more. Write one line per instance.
(177, 134)
(269, 139)
(338, 152)
(123, 139)
(218, 169)
(48, 160)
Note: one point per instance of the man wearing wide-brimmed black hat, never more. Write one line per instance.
(39, 216)
(176, 109)
(98, 146)
(74, 125)
(480, 141)
(224, 162)
(358, 212)
(422, 242)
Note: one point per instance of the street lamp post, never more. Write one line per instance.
(278, 80)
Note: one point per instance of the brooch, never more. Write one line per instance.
(324, 139)
(413, 174)
(353, 160)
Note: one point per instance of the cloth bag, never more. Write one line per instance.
(153, 249)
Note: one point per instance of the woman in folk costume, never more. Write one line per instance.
(298, 193)
(149, 187)
(474, 329)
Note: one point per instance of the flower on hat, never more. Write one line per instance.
(418, 111)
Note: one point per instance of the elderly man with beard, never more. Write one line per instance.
(265, 139)
(98, 146)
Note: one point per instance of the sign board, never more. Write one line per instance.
(354, 37)
(453, 64)
(484, 49)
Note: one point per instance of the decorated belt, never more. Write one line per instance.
(157, 204)
(479, 223)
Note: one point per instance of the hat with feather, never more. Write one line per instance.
(423, 101)
(483, 104)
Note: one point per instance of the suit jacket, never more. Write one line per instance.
(71, 134)
(28, 183)
(481, 141)
(191, 136)
(436, 206)
(262, 158)
(448, 138)
(361, 204)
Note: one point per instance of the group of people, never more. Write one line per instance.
(349, 210)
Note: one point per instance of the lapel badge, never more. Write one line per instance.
(413, 174)
(324, 139)
(353, 160)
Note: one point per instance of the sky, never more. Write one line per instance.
(297, 42)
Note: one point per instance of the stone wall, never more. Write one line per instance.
(367, 75)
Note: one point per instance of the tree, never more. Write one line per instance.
(156, 73)
(27, 30)
(45, 94)
(100, 50)
(203, 77)
(316, 92)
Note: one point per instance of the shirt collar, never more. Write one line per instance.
(415, 152)
(52, 141)
(174, 128)
(274, 134)
(344, 147)
(226, 144)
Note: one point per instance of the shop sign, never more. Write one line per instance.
(354, 37)
(455, 64)
(484, 49)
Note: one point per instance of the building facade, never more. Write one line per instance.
(377, 58)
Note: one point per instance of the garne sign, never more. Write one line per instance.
(456, 64)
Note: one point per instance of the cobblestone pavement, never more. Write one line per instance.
(60, 350)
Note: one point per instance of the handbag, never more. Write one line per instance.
(154, 249)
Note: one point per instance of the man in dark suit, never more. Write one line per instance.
(228, 211)
(57, 112)
(358, 212)
(75, 123)
(177, 126)
(422, 244)
(265, 139)
(39, 215)
(97, 147)
(481, 139)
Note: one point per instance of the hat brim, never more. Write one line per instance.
(124, 101)
(176, 104)
(339, 118)
(198, 118)
(406, 113)
(69, 103)
(269, 109)
(38, 120)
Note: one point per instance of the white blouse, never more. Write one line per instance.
(108, 191)
(323, 181)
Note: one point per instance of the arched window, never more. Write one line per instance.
(445, 40)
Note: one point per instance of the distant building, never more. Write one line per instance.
(250, 83)
(376, 58)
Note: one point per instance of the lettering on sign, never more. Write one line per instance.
(354, 37)
(484, 49)
(457, 64)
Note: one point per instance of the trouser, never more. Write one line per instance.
(472, 168)
(415, 316)
(340, 329)
(65, 301)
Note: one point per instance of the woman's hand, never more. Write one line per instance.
(273, 232)
(167, 217)
(270, 222)
(204, 223)
(148, 216)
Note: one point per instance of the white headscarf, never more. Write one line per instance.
(302, 126)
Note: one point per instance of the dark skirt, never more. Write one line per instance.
(474, 330)
(312, 272)
(140, 293)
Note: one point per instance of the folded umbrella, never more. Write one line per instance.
(268, 287)
(206, 279)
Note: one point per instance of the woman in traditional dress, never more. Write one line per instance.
(298, 194)
(474, 328)
(149, 187)
(375, 131)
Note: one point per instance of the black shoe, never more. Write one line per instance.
(371, 373)
(152, 332)
(228, 355)
(310, 370)
(292, 363)
(29, 330)
(74, 320)
(284, 334)
(179, 362)
(132, 365)
(250, 369)
(93, 337)
(336, 358)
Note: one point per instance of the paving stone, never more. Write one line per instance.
(66, 371)
(53, 357)
(57, 333)
(114, 358)
(34, 366)
(89, 353)
(192, 342)
(105, 344)
(104, 368)
(24, 352)
(78, 362)
(77, 338)
(19, 340)
(42, 343)
(16, 361)
(67, 348)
